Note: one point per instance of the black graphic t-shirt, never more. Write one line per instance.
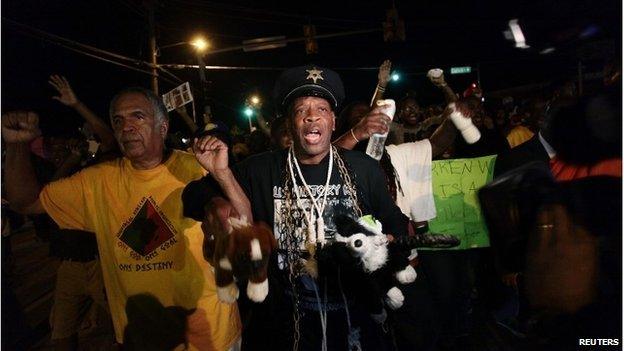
(262, 178)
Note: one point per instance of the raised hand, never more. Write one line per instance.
(20, 127)
(373, 122)
(383, 76)
(437, 81)
(67, 96)
(211, 153)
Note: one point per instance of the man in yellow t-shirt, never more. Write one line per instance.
(161, 291)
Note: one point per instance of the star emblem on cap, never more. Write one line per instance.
(314, 74)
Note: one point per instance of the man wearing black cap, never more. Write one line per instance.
(298, 191)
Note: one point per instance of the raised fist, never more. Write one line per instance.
(20, 127)
(436, 76)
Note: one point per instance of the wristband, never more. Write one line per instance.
(380, 88)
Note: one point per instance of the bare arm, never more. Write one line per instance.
(212, 154)
(22, 187)
(262, 123)
(68, 98)
(439, 82)
(449, 94)
(445, 134)
(383, 78)
(373, 122)
(443, 137)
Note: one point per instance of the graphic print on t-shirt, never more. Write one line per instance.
(338, 201)
(147, 229)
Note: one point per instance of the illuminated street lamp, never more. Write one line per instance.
(200, 44)
(395, 77)
(249, 112)
(255, 100)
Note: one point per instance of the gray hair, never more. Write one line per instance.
(160, 112)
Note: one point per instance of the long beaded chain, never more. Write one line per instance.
(291, 238)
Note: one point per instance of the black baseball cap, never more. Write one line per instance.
(308, 80)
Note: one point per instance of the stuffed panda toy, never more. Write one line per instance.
(366, 263)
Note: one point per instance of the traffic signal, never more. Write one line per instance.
(309, 32)
(393, 27)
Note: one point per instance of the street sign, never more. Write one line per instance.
(461, 70)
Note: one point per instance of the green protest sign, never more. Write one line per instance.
(455, 185)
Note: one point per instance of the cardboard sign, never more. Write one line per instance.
(455, 186)
(177, 97)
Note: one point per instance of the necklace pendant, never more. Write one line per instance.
(311, 234)
(320, 230)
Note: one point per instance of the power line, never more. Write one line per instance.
(80, 48)
(69, 41)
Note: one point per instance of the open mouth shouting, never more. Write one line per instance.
(312, 135)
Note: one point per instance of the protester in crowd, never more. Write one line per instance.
(147, 249)
(412, 122)
(280, 138)
(350, 115)
(68, 98)
(79, 283)
(258, 142)
(407, 169)
(491, 141)
(308, 96)
(566, 237)
(519, 133)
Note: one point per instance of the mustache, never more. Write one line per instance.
(126, 137)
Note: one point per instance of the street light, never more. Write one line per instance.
(200, 44)
(395, 77)
(249, 112)
(255, 100)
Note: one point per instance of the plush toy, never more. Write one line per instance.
(369, 266)
(241, 252)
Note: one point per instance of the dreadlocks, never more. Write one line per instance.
(392, 178)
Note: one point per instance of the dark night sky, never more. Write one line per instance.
(439, 33)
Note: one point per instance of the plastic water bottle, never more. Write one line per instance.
(470, 133)
(376, 142)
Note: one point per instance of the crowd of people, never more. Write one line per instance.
(125, 205)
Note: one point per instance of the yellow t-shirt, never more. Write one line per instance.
(519, 135)
(145, 243)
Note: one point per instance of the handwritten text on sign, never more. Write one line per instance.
(455, 185)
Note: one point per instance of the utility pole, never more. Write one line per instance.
(151, 9)
(203, 81)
